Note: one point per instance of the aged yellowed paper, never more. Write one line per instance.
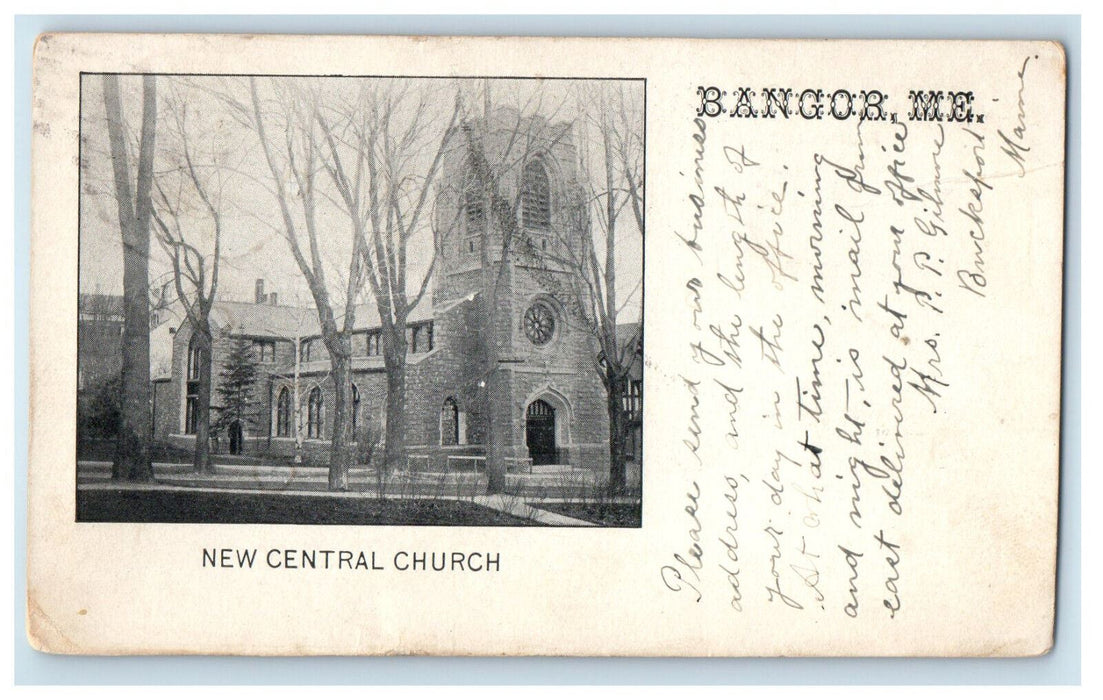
(408, 345)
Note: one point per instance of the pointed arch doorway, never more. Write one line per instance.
(540, 433)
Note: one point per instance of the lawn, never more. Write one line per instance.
(604, 514)
(133, 506)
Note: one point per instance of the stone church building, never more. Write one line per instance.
(491, 345)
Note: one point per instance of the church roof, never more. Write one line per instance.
(274, 321)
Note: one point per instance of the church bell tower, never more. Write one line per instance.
(512, 210)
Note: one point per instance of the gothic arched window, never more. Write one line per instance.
(314, 414)
(355, 409)
(195, 356)
(449, 423)
(535, 197)
(191, 403)
(283, 413)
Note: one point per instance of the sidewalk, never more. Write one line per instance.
(284, 478)
(520, 508)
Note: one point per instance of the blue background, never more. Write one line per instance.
(1061, 666)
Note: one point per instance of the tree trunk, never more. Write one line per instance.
(498, 403)
(394, 452)
(618, 428)
(340, 456)
(132, 457)
(495, 439)
(202, 459)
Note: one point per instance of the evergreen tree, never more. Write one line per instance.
(238, 380)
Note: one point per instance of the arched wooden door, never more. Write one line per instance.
(540, 432)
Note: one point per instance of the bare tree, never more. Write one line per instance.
(517, 135)
(371, 147)
(615, 182)
(611, 170)
(134, 202)
(194, 268)
(297, 157)
(374, 144)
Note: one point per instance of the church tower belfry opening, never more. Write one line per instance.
(510, 192)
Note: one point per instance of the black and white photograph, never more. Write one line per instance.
(360, 300)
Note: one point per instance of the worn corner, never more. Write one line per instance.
(42, 43)
(1060, 56)
(43, 634)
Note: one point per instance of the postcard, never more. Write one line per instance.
(557, 346)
